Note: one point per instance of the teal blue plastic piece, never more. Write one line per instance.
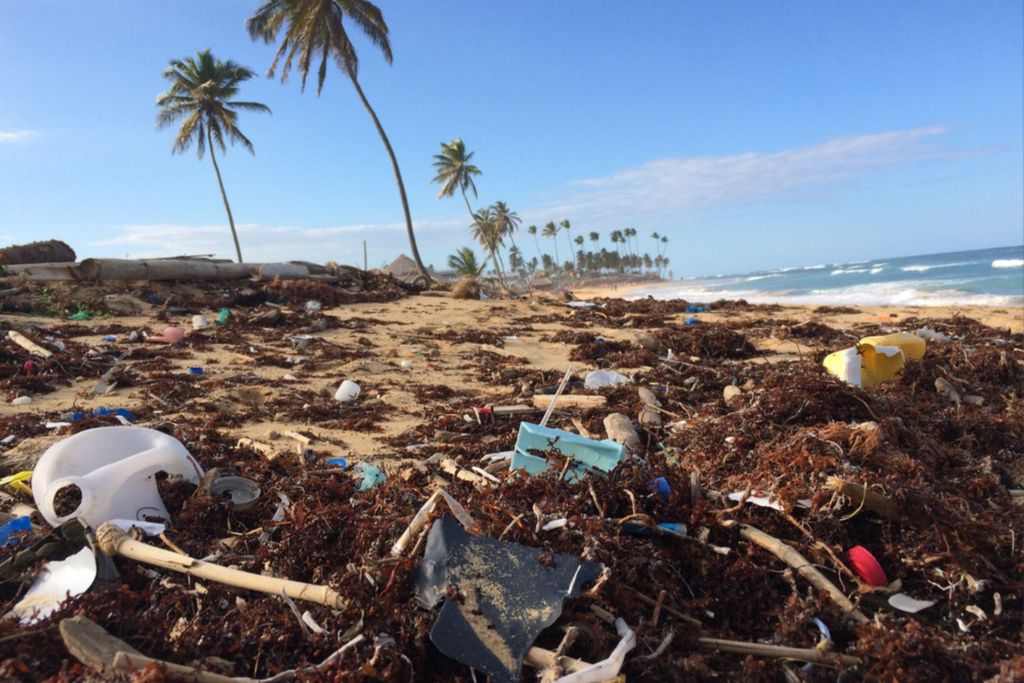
(371, 475)
(589, 454)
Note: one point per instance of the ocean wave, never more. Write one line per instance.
(917, 268)
(874, 294)
(877, 269)
(848, 271)
(1008, 263)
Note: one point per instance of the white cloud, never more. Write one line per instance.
(17, 135)
(683, 186)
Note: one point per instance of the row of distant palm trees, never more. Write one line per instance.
(203, 87)
(492, 224)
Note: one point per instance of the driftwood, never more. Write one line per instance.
(585, 401)
(863, 497)
(810, 654)
(27, 344)
(801, 564)
(113, 541)
(50, 251)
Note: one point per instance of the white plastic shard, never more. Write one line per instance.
(58, 581)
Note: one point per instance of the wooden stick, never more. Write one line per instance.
(539, 658)
(113, 541)
(810, 654)
(558, 392)
(801, 564)
(27, 344)
(589, 401)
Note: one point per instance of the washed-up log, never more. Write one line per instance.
(586, 401)
(27, 344)
(161, 269)
(862, 496)
(113, 541)
(50, 251)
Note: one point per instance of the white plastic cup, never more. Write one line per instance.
(199, 322)
(347, 392)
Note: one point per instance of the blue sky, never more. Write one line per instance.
(755, 135)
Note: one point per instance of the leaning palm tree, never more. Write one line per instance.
(317, 28)
(551, 230)
(532, 231)
(454, 172)
(202, 88)
(486, 231)
(507, 220)
(464, 262)
(565, 225)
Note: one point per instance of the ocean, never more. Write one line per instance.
(983, 277)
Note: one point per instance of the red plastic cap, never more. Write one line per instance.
(866, 566)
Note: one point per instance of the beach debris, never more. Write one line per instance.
(17, 525)
(946, 388)
(585, 401)
(599, 379)
(59, 580)
(692, 321)
(731, 394)
(875, 359)
(586, 453)
(929, 334)
(466, 288)
(347, 392)
(607, 669)
(200, 322)
(21, 401)
(912, 346)
(170, 335)
(864, 497)
(29, 345)
(243, 493)
(621, 431)
(906, 603)
(866, 566)
(505, 594)
(17, 481)
(113, 541)
(111, 471)
(370, 475)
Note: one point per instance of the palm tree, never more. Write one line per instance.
(464, 262)
(617, 238)
(485, 230)
(664, 242)
(454, 172)
(532, 232)
(630, 232)
(201, 91)
(564, 225)
(594, 237)
(317, 28)
(507, 220)
(551, 230)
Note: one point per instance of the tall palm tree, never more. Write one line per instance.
(486, 231)
(464, 262)
(631, 232)
(565, 225)
(454, 172)
(202, 88)
(664, 242)
(551, 230)
(594, 237)
(617, 238)
(318, 28)
(532, 231)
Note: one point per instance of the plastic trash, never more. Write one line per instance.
(929, 334)
(110, 339)
(599, 379)
(16, 525)
(59, 580)
(114, 470)
(372, 475)
(866, 365)
(347, 392)
(906, 603)
(195, 371)
(692, 321)
(170, 335)
(80, 315)
(340, 462)
(694, 308)
(589, 454)
(313, 306)
(22, 401)
(200, 322)
(866, 566)
(639, 529)
(660, 486)
(406, 364)
(17, 480)
(223, 316)
(912, 346)
(608, 669)
(244, 493)
(124, 415)
(581, 304)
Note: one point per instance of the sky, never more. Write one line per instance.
(753, 135)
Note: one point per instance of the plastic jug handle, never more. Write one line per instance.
(55, 488)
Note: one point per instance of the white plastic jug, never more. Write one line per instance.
(115, 469)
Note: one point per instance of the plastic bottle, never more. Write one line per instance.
(114, 468)
(347, 392)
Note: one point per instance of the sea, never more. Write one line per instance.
(982, 277)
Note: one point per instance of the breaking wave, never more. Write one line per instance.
(1008, 263)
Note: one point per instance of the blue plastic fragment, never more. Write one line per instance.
(675, 528)
(341, 462)
(692, 321)
(195, 371)
(694, 308)
(661, 487)
(371, 475)
(106, 412)
(589, 454)
(14, 526)
(110, 340)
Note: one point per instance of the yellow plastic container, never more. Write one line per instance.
(911, 344)
(865, 365)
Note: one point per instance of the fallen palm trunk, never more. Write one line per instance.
(113, 541)
(50, 251)
(801, 564)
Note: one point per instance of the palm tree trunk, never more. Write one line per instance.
(223, 194)
(558, 261)
(537, 244)
(398, 178)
